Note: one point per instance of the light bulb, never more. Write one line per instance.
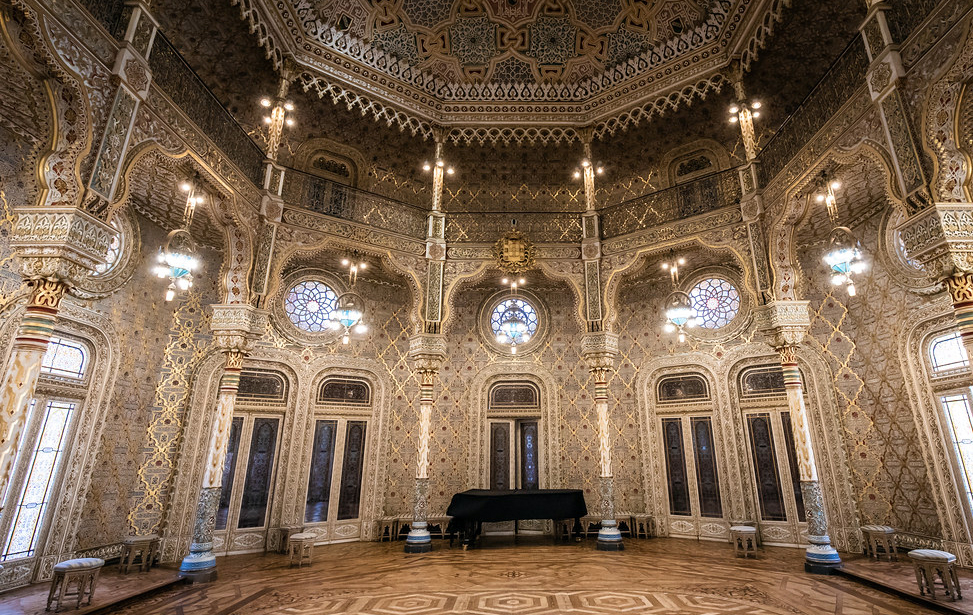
(266, 120)
(504, 281)
(526, 337)
(440, 163)
(265, 102)
(756, 114)
(682, 337)
(733, 119)
(669, 327)
(513, 350)
(851, 289)
(835, 185)
(361, 328)
(289, 122)
(449, 171)
(734, 109)
(183, 283)
(756, 104)
(289, 106)
(426, 167)
(665, 266)
(600, 170)
(577, 174)
(186, 187)
(345, 339)
(681, 261)
(522, 281)
(170, 293)
(585, 163)
(362, 265)
(344, 262)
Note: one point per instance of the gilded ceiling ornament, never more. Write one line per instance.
(514, 253)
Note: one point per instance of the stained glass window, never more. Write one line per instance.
(65, 358)
(528, 452)
(769, 491)
(762, 381)
(114, 252)
(319, 480)
(259, 386)
(515, 395)
(309, 305)
(715, 301)
(676, 468)
(707, 477)
(505, 313)
(686, 387)
(960, 419)
(260, 470)
(343, 391)
(352, 466)
(947, 353)
(35, 497)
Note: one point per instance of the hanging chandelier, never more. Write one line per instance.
(844, 256)
(179, 257)
(586, 164)
(679, 311)
(514, 329)
(347, 316)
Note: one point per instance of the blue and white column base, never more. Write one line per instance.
(820, 557)
(200, 565)
(609, 538)
(418, 540)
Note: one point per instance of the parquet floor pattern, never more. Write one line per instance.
(534, 577)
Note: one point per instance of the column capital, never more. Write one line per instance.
(235, 327)
(940, 238)
(59, 243)
(786, 322)
(427, 351)
(599, 349)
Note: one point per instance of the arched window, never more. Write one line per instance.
(344, 391)
(256, 386)
(45, 445)
(947, 353)
(309, 305)
(762, 381)
(514, 395)
(949, 365)
(716, 302)
(65, 358)
(684, 387)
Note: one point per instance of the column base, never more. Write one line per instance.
(820, 557)
(418, 540)
(198, 566)
(609, 538)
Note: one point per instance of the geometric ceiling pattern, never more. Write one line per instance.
(553, 63)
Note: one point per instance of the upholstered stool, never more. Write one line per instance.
(388, 528)
(138, 548)
(930, 562)
(82, 572)
(300, 547)
(744, 539)
(879, 536)
(286, 531)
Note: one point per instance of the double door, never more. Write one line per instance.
(776, 484)
(248, 483)
(334, 490)
(693, 483)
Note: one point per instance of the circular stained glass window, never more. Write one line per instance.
(716, 302)
(309, 305)
(514, 321)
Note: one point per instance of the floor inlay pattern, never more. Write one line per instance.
(534, 577)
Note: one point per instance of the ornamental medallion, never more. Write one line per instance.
(514, 253)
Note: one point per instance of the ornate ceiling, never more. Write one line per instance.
(511, 62)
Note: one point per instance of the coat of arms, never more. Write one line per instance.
(514, 253)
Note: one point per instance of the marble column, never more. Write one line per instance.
(418, 540)
(200, 564)
(23, 368)
(599, 350)
(820, 556)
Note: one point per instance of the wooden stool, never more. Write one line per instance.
(388, 529)
(744, 539)
(930, 562)
(82, 572)
(141, 548)
(641, 526)
(879, 536)
(300, 547)
(286, 531)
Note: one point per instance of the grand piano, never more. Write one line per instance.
(471, 509)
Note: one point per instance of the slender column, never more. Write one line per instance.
(418, 540)
(200, 564)
(820, 556)
(599, 351)
(23, 367)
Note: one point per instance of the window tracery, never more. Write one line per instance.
(65, 358)
(309, 304)
(716, 302)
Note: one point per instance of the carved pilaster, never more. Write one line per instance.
(940, 238)
(785, 322)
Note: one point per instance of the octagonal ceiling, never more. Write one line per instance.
(511, 62)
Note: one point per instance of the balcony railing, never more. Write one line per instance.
(326, 197)
(845, 77)
(178, 80)
(700, 196)
(109, 13)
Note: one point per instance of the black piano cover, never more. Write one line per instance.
(489, 506)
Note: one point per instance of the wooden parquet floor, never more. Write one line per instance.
(534, 577)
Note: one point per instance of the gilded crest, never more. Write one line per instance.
(514, 253)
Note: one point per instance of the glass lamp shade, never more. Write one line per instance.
(679, 310)
(349, 310)
(844, 258)
(177, 261)
(513, 326)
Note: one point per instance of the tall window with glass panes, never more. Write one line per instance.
(950, 376)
